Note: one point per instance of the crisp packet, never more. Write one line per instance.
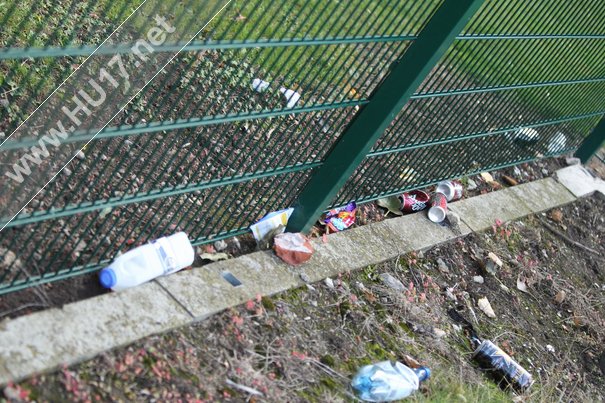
(340, 218)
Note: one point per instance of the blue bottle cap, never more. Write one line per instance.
(423, 373)
(107, 277)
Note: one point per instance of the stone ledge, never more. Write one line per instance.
(480, 212)
(45, 340)
(579, 181)
(543, 194)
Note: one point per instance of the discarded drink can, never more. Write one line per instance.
(452, 190)
(413, 201)
(502, 366)
(438, 209)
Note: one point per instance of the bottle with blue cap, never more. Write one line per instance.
(161, 257)
(388, 381)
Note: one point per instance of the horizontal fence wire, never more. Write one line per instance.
(517, 64)
(198, 150)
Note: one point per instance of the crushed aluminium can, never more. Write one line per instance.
(438, 208)
(501, 365)
(452, 190)
(413, 201)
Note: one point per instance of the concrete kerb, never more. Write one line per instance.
(580, 181)
(46, 340)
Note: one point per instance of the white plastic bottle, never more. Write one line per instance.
(159, 258)
(387, 381)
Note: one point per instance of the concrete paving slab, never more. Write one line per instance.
(48, 339)
(5, 376)
(543, 194)
(480, 212)
(207, 290)
(350, 250)
(579, 181)
(417, 232)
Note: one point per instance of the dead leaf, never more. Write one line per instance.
(577, 321)
(214, 256)
(392, 204)
(495, 185)
(408, 174)
(556, 215)
(370, 296)
(487, 177)
(521, 286)
(410, 361)
(486, 307)
(509, 180)
(560, 297)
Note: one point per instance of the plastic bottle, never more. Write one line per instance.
(159, 258)
(387, 381)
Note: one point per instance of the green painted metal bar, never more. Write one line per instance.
(152, 127)
(427, 143)
(477, 37)
(196, 46)
(592, 143)
(166, 125)
(101, 204)
(395, 91)
(479, 90)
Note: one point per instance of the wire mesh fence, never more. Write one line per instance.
(203, 151)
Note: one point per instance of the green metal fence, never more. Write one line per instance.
(395, 95)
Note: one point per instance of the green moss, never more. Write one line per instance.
(344, 308)
(328, 360)
(268, 304)
(369, 273)
(378, 352)
(329, 383)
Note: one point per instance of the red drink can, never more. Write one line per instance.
(452, 190)
(438, 209)
(413, 201)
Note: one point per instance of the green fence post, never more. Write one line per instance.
(385, 103)
(592, 143)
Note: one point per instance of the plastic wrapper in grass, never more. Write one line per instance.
(340, 218)
(293, 248)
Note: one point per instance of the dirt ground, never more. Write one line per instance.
(305, 344)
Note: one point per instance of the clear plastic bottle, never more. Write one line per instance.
(387, 381)
(159, 258)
